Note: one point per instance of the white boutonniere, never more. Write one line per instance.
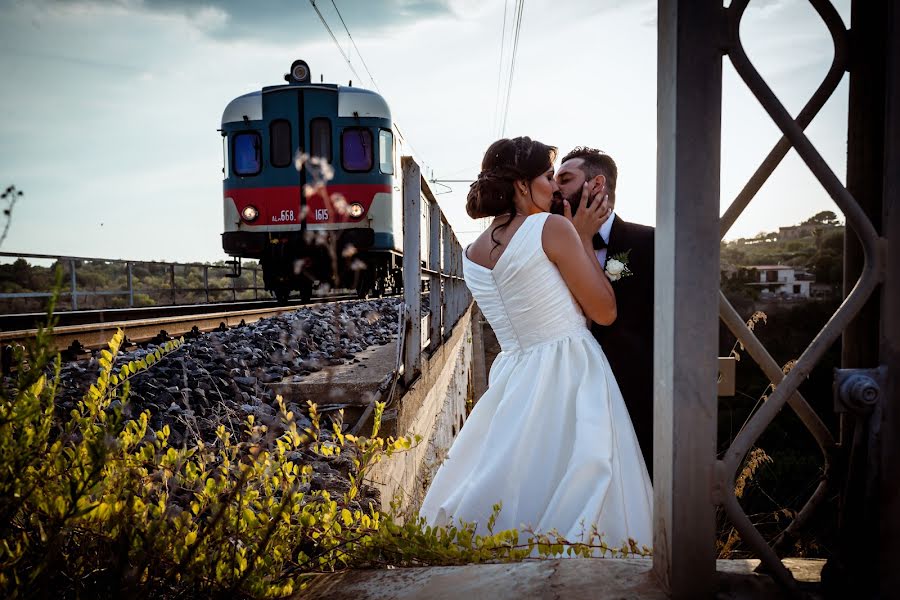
(617, 266)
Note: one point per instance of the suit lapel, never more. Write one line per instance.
(618, 235)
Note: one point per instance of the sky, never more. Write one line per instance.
(110, 107)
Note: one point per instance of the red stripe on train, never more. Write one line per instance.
(281, 205)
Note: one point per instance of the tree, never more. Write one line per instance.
(825, 218)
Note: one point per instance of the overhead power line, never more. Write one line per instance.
(358, 53)
(336, 43)
(500, 66)
(355, 73)
(512, 64)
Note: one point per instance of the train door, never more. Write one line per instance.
(285, 135)
(318, 109)
(300, 120)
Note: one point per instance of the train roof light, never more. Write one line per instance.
(299, 72)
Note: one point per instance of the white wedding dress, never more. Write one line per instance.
(551, 438)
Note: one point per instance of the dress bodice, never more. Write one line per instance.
(524, 297)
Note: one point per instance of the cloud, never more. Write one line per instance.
(280, 21)
(57, 57)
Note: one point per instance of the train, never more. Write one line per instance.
(312, 186)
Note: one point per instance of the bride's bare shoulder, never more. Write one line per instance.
(559, 238)
(558, 234)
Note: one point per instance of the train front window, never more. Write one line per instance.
(247, 157)
(320, 138)
(356, 149)
(281, 148)
(386, 151)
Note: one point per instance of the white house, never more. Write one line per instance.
(782, 281)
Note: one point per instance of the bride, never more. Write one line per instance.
(551, 438)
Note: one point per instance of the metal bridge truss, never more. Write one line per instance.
(690, 36)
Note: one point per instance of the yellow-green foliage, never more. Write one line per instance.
(102, 504)
(95, 505)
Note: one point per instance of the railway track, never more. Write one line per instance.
(77, 332)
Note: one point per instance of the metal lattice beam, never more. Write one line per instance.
(872, 273)
(693, 37)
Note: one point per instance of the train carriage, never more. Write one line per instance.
(280, 214)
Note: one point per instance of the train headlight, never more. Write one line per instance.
(356, 210)
(299, 72)
(249, 213)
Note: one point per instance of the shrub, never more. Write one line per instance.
(94, 504)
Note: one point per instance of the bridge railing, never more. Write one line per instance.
(127, 284)
(432, 260)
(690, 480)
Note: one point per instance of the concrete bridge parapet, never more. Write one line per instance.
(434, 407)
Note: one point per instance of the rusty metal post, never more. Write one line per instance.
(73, 285)
(462, 291)
(130, 276)
(172, 280)
(448, 282)
(412, 268)
(889, 346)
(689, 92)
(434, 265)
(206, 281)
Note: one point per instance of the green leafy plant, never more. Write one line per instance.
(96, 504)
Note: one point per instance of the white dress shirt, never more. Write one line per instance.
(604, 233)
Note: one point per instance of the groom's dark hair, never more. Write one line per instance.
(596, 162)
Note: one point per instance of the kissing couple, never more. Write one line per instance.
(563, 435)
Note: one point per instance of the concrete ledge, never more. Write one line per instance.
(352, 385)
(569, 578)
(566, 578)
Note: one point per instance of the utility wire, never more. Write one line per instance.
(424, 161)
(497, 101)
(358, 53)
(336, 43)
(512, 65)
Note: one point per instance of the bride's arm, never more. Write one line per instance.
(574, 256)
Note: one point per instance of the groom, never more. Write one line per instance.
(628, 342)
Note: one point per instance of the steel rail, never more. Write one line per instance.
(96, 335)
(19, 321)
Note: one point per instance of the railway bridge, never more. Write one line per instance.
(434, 368)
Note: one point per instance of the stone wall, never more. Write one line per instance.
(435, 408)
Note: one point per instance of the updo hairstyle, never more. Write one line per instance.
(505, 162)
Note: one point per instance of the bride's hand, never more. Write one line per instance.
(589, 218)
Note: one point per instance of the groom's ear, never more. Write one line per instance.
(598, 183)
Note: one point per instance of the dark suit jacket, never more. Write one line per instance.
(628, 342)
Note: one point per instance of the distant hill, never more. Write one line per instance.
(816, 245)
